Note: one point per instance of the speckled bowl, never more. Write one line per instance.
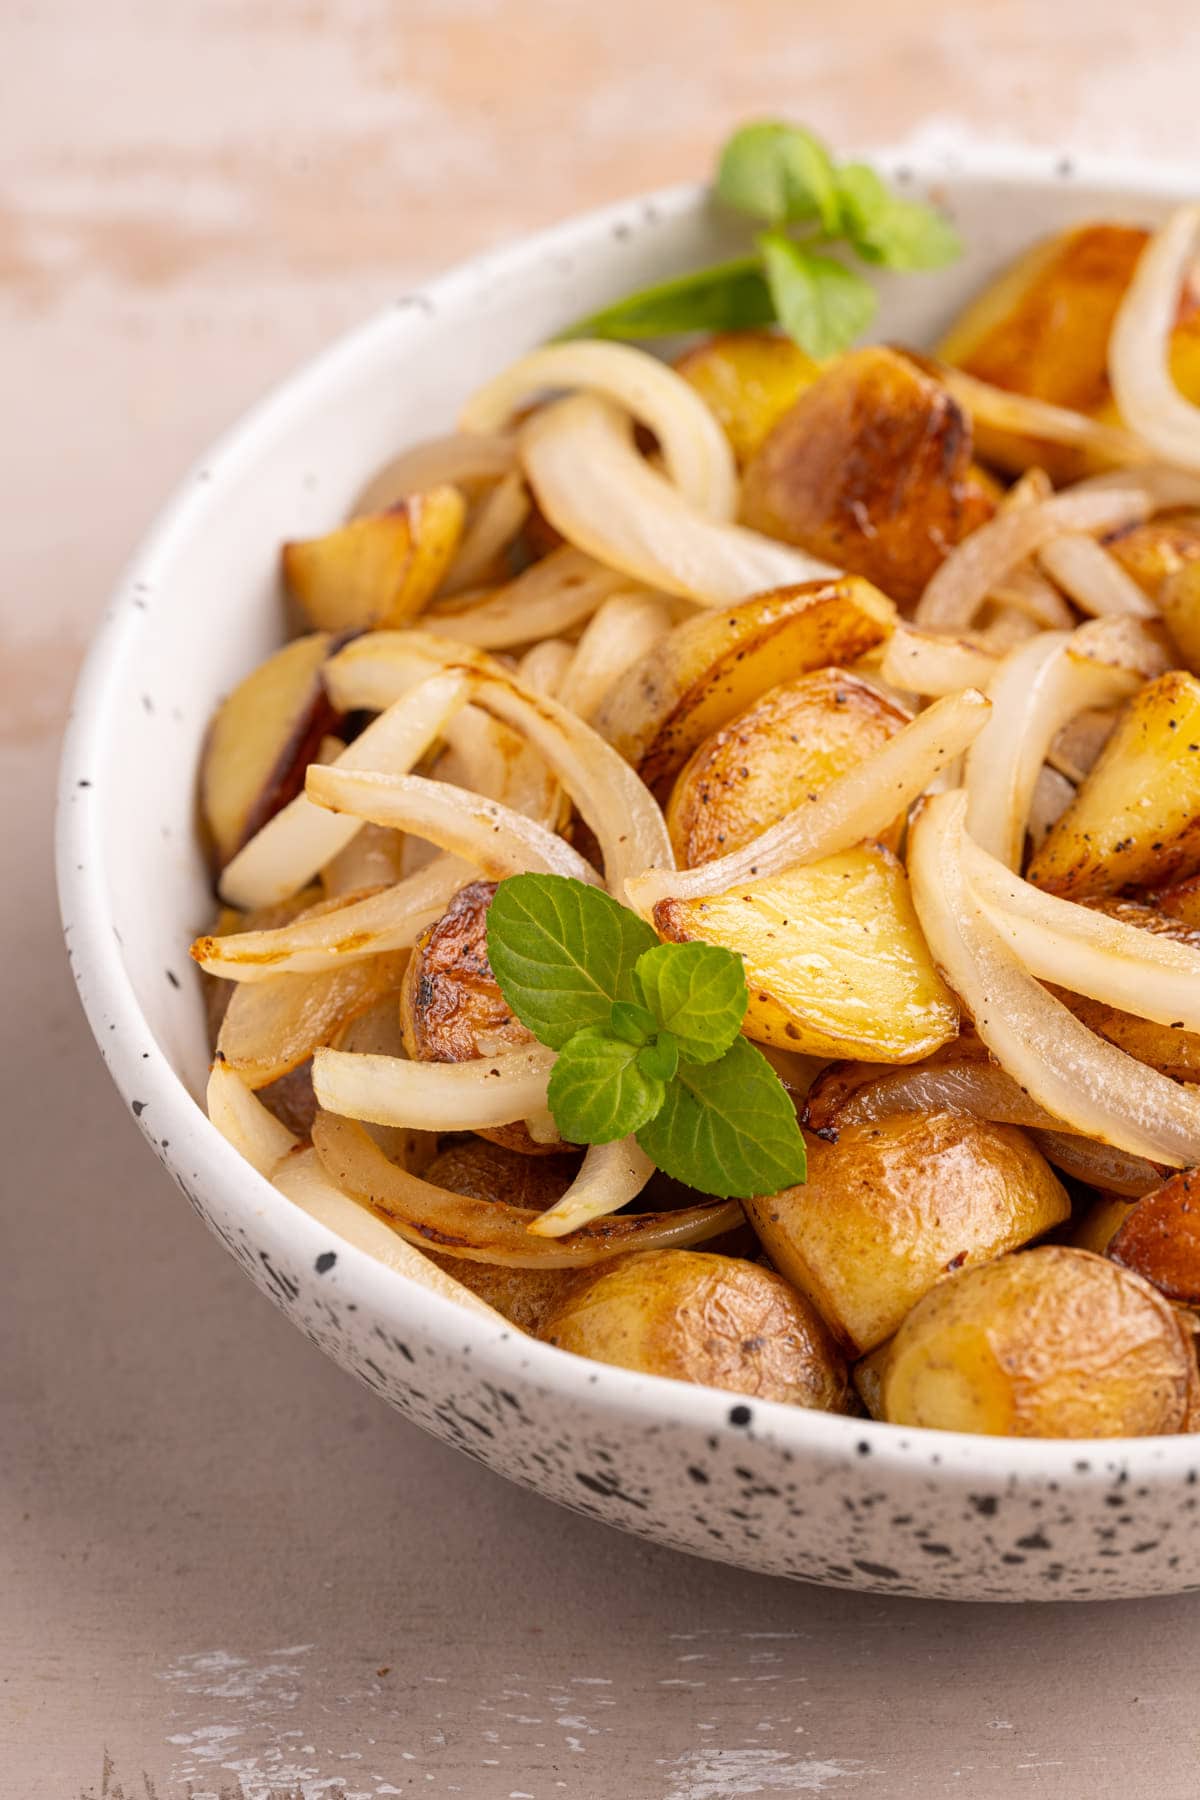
(763, 1485)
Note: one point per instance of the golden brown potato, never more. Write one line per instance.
(871, 469)
(697, 1317)
(710, 668)
(781, 751)
(836, 962)
(867, 1376)
(1158, 548)
(1055, 1342)
(748, 379)
(1178, 900)
(1179, 598)
(1136, 818)
(262, 739)
(1159, 1238)
(380, 569)
(451, 1007)
(890, 1206)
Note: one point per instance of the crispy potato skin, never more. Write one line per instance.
(697, 1317)
(379, 569)
(1136, 818)
(1054, 1342)
(1159, 1238)
(451, 1006)
(1179, 597)
(748, 380)
(835, 959)
(871, 469)
(890, 1206)
(781, 751)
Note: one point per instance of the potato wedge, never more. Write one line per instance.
(748, 379)
(697, 1317)
(1156, 549)
(786, 747)
(1179, 598)
(1055, 1342)
(835, 960)
(890, 1206)
(1160, 1238)
(379, 569)
(261, 740)
(1136, 818)
(710, 668)
(871, 469)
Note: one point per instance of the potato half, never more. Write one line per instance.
(748, 379)
(1054, 1342)
(1179, 598)
(889, 1206)
(379, 569)
(698, 1317)
(1159, 1238)
(781, 751)
(835, 960)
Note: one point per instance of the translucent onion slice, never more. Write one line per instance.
(1099, 1165)
(302, 838)
(1088, 952)
(551, 596)
(493, 760)
(1027, 592)
(622, 629)
(375, 669)
(859, 804)
(373, 858)
(1138, 365)
(963, 582)
(496, 522)
(1095, 580)
(1140, 645)
(1021, 413)
(604, 497)
(492, 1230)
(464, 459)
(610, 1176)
(1165, 487)
(302, 1177)
(543, 667)
(392, 919)
(272, 1026)
(695, 449)
(1039, 687)
(1052, 794)
(464, 1096)
(1095, 1089)
(497, 840)
(932, 664)
(244, 1121)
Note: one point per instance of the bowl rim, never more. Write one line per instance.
(198, 1153)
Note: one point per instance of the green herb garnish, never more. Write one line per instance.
(785, 179)
(648, 1037)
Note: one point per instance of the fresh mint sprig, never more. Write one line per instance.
(648, 1037)
(784, 178)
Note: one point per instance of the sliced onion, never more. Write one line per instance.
(464, 1096)
(492, 760)
(1052, 794)
(859, 804)
(695, 449)
(543, 667)
(302, 838)
(866, 1092)
(1095, 580)
(272, 1026)
(1027, 592)
(465, 459)
(1099, 1165)
(551, 596)
(373, 858)
(1095, 1089)
(1074, 751)
(963, 582)
(244, 1121)
(392, 919)
(1166, 488)
(931, 664)
(1004, 410)
(1138, 362)
(605, 498)
(610, 1176)
(622, 630)
(1039, 686)
(496, 522)
(492, 1230)
(1140, 645)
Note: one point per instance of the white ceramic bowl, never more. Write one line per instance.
(770, 1487)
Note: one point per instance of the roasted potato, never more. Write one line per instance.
(1096, 1226)
(1178, 900)
(867, 1376)
(1136, 818)
(748, 379)
(451, 1007)
(379, 569)
(1043, 328)
(871, 469)
(1179, 598)
(710, 668)
(835, 960)
(1054, 1342)
(698, 1317)
(1159, 1238)
(261, 741)
(1160, 547)
(781, 751)
(889, 1206)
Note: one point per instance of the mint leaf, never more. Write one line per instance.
(727, 1128)
(780, 174)
(899, 234)
(598, 1090)
(661, 1058)
(562, 952)
(632, 1022)
(729, 297)
(820, 302)
(698, 993)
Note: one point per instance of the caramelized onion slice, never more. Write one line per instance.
(620, 632)
(553, 595)
(1138, 365)
(463, 459)
(271, 1027)
(610, 1176)
(491, 1230)
(494, 525)
(1099, 1165)
(430, 1096)
(243, 1120)
(931, 663)
(1003, 410)
(1095, 580)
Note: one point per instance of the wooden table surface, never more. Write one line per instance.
(225, 1570)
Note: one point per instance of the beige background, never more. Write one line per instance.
(225, 1562)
